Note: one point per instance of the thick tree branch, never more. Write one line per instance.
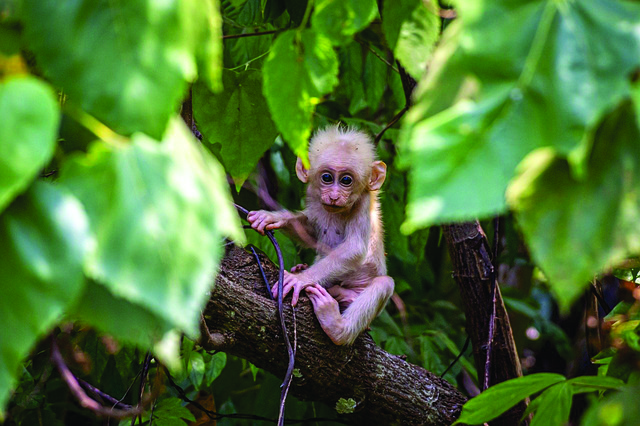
(473, 271)
(243, 321)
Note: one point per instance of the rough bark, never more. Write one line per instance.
(469, 251)
(242, 321)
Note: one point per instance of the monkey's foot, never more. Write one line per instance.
(299, 267)
(327, 311)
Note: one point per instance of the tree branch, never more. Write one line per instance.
(473, 271)
(243, 321)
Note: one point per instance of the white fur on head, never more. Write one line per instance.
(336, 144)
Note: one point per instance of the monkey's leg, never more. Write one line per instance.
(365, 308)
(343, 329)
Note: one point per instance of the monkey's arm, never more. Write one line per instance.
(296, 224)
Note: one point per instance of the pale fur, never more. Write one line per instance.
(349, 244)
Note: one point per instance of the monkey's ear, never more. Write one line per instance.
(303, 174)
(378, 174)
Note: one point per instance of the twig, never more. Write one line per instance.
(83, 399)
(264, 277)
(492, 318)
(230, 36)
(464, 349)
(605, 306)
(143, 380)
(393, 121)
(292, 356)
(104, 396)
(376, 54)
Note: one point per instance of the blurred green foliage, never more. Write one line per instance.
(113, 216)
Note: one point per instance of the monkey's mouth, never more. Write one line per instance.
(332, 208)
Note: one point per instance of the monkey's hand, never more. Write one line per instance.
(262, 220)
(297, 282)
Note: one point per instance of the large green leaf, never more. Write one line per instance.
(374, 79)
(100, 308)
(553, 406)
(411, 28)
(209, 48)
(238, 119)
(567, 66)
(159, 212)
(44, 236)
(127, 63)
(351, 81)
(340, 19)
(310, 66)
(29, 120)
(499, 398)
(577, 228)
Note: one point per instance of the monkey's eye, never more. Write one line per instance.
(346, 180)
(326, 178)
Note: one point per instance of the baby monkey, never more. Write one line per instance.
(347, 284)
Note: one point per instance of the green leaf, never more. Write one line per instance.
(411, 28)
(196, 369)
(553, 406)
(499, 398)
(238, 119)
(550, 207)
(593, 383)
(214, 367)
(147, 54)
(171, 412)
(29, 120)
(374, 79)
(209, 48)
(159, 212)
(560, 78)
(44, 234)
(113, 315)
(340, 19)
(456, 168)
(351, 82)
(311, 67)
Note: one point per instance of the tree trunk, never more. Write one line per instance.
(241, 320)
(469, 251)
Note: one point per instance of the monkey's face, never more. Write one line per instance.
(339, 189)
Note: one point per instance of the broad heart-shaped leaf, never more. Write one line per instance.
(44, 234)
(457, 168)
(29, 119)
(238, 119)
(127, 63)
(567, 66)
(309, 65)
(597, 217)
(411, 28)
(100, 308)
(159, 212)
(499, 398)
(340, 19)
(209, 49)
